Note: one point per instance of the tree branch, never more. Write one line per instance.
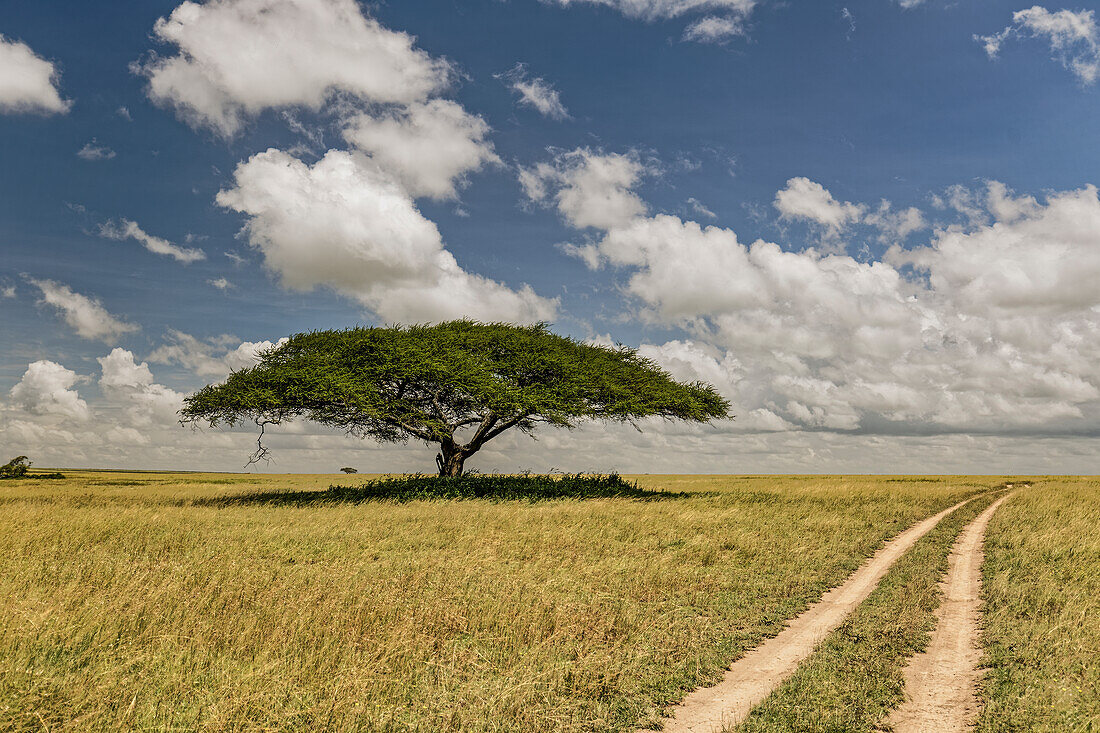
(261, 453)
(415, 432)
(504, 426)
(440, 412)
(487, 422)
(467, 421)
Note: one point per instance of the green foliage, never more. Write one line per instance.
(15, 468)
(19, 466)
(433, 383)
(489, 487)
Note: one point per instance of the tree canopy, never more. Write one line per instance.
(459, 384)
(15, 468)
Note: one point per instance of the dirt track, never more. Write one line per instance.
(751, 678)
(940, 682)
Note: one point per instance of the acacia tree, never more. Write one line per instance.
(15, 468)
(459, 384)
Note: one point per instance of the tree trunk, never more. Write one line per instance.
(452, 467)
(450, 460)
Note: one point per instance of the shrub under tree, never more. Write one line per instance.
(457, 384)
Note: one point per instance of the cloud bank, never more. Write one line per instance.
(987, 328)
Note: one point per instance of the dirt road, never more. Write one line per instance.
(940, 683)
(751, 678)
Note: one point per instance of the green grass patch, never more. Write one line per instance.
(1042, 621)
(488, 487)
(854, 678)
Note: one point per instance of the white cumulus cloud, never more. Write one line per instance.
(348, 221)
(427, 147)
(1032, 258)
(346, 224)
(119, 370)
(810, 201)
(589, 188)
(28, 82)
(85, 315)
(700, 208)
(210, 358)
(237, 58)
(807, 200)
(131, 386)
(895, 224)
(46, 389)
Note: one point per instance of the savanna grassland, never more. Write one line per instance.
(1042, 616)
(149, 601)
(854, 678)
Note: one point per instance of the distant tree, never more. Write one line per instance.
(458, 384)
(15, 468)
(349, 469)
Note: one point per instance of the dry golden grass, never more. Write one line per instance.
(126, 603)
(1042, 592)
(855, 676)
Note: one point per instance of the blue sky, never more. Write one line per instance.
(869, 223)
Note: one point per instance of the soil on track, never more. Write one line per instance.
(750, 679)
(941, 682)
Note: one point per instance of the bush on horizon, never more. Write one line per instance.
(19, 467)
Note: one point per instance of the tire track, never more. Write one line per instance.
(752, 677)
(941, 682)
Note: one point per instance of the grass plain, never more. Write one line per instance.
(854, 678)
(131, 600)
(1042, 610)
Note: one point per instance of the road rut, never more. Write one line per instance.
(752, 677)
(941, 682)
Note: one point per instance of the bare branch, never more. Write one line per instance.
(261, 453)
